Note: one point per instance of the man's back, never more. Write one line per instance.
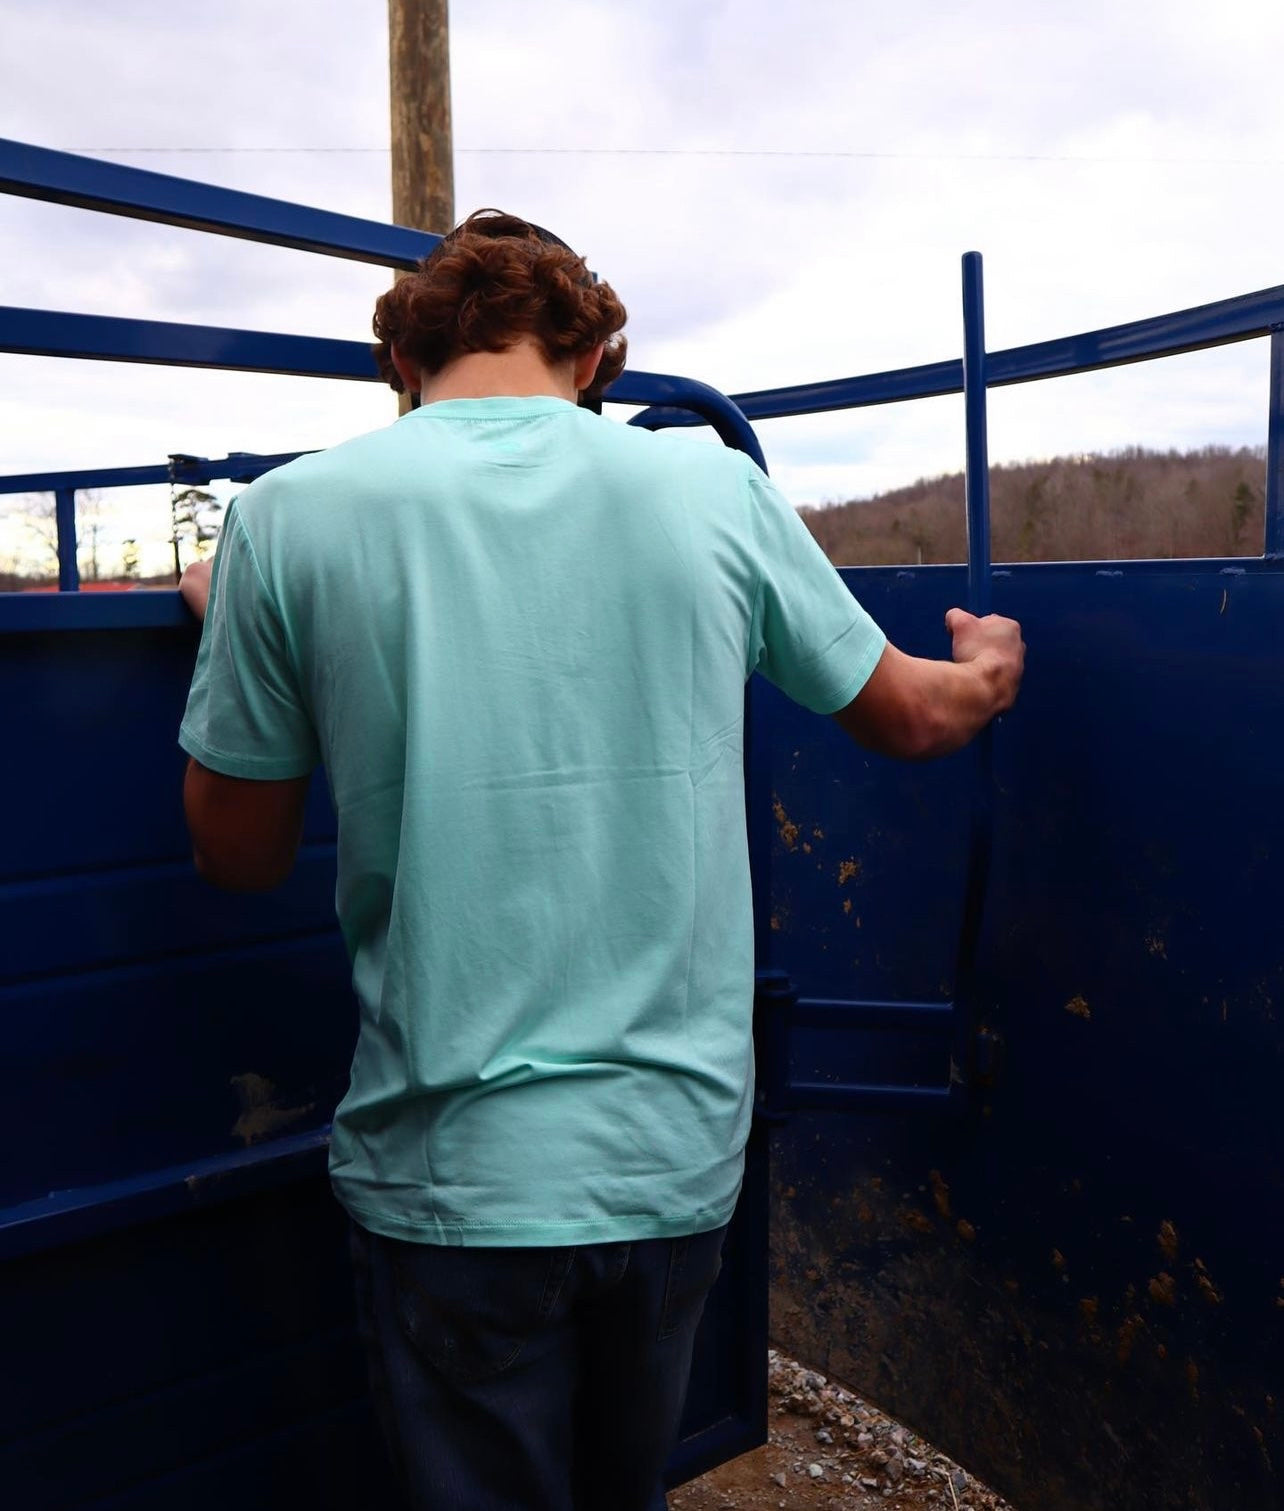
(532, 728)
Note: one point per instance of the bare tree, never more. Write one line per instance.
(39, 515)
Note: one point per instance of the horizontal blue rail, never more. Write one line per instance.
(65, 178)
(68, 1216)
(239, 466)
(1218, 324)
(108, 338)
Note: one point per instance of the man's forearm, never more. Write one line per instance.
(194, 585)
(960, 699)
(915, 708)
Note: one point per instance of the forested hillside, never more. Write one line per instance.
(1127, 504)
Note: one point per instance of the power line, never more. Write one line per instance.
(726, 152)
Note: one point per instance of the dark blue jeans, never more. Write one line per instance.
(532, 1379)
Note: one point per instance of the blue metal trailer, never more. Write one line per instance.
(1018, 1169)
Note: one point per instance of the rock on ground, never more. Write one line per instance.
(828, 1448)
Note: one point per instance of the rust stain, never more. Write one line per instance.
(1160, 1351)
(806, 848)
(817, 833)
(1058, 1261)
(775, 923)
(916, 1221)
(788, 829)
(1157, 947)
(1162, 1288)
(1126, 1337)
(1204, 1283)
(1192, 1378)
(1078, 1008)
(260, 1116)
(1090, 1319)
(1167, 1239)
(846, 870)
(940, 1193)
(847, 904)
(965, 1230)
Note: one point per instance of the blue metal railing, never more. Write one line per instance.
(663, 400)
(65, 178)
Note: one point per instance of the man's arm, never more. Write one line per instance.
(917, 708)
(245, 834)
(194, 585)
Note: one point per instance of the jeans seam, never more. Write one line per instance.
(558, 1272)
(677, 1262)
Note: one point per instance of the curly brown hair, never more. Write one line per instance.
(492, 280)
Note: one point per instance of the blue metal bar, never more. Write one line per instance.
(129, 609)
(979, 596)
(240, 466)
(64, 1217)
(659, 389)
(66, 178)
(927, 382)
(978, 458)
(1217, 324)
(49, 333)
(893, 1017)
(65, 518)
(855, 1096)
(1275, 451)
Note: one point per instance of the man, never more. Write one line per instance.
(517, 635)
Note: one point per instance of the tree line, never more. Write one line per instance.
(1125, 505)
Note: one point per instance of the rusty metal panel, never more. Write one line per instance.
(1069, 1273)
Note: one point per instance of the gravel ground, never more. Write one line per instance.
(827, 1448)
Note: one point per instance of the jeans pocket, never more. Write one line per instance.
(470, 1312)
(694, 1265)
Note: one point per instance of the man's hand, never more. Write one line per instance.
(993, 643)
(194, 585)
(916, 708)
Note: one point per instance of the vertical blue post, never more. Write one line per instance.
(981, 829)
(978, 452)
(65, 517)
(1275, 451)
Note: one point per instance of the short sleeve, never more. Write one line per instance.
(245, 714)
(809, 635)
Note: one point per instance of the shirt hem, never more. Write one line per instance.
(869, 660)
(536, 1233)
(260, 768)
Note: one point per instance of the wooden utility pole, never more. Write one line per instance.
(423, 174)
(423, 169)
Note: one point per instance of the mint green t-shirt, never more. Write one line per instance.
(517, 635)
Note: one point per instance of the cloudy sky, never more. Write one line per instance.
(779, 192)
